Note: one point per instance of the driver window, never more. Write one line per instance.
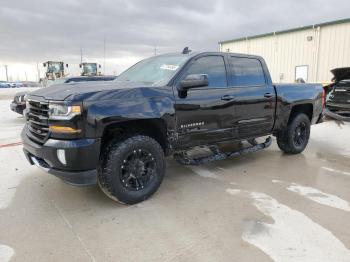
(213, 67)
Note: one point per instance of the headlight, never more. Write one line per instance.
(63, 112)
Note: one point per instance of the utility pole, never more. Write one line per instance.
(81, 55)
(38, 71)
(7, 77)
(104, 55)
(155, 50)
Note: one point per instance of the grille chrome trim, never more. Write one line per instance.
(38, 120)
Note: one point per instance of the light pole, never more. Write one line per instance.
(38, 71)
(7, 77)
(104, 55)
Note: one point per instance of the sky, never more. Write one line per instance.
(36, 31)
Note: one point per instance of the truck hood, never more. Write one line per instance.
(340, 74)
(70, 91)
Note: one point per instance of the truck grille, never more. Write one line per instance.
(38, 124)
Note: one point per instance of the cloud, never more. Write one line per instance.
(40, 30)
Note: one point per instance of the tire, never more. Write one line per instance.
(295, 137)
(131, 170)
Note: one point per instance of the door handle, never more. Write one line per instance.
(227, 97)
(268, 95)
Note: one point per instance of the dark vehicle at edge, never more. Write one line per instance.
(118, 133)
(18, 104)
(338, 100)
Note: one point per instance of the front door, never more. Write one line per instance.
(204, 115)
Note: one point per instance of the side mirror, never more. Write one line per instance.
(66, 65)
(99, 66)
(44, 64)
(193, 81)
(80, 65)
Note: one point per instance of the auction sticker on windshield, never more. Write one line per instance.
(169, 67)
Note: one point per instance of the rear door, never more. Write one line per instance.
(255, 97)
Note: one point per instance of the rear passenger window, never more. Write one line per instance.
(246, 72)
(213, 66)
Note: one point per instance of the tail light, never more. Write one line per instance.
(324, 99)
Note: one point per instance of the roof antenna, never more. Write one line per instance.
(186, 50)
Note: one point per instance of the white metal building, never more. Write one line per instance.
(307, 52)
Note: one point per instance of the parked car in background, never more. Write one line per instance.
(338, 99)
(4, 84)
(18, 104)
(30, 84)
(12, 84)
(76, 79)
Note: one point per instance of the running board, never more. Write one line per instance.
(183, 159)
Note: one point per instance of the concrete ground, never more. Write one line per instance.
(265, 206)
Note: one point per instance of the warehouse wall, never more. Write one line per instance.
(320, 49)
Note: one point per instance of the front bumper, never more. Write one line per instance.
(339, 111)
(81, 156)
(338, 114)
(18, 108)
(335, 106)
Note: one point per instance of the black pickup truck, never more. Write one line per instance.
(118, 133)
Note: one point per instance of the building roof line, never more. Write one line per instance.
(340, 21)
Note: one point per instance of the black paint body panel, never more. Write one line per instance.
(198, 117)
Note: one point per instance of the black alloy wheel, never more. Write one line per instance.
(137, 170)
(132, 169)
(300, 134)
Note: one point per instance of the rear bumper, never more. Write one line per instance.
(81, 157)
(18, 108)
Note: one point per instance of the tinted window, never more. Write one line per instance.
(246, 72)
(213, 66)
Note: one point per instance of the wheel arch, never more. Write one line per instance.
(155, 128)
(306, 109)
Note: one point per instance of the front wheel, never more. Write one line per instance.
(132, 170)
(295, 137)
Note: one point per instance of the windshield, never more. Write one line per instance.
(90, 69)
(154, 71)
(54, 67)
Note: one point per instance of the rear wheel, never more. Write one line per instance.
(295, 137)
(132, 170)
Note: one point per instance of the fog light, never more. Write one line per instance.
(61, 155)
